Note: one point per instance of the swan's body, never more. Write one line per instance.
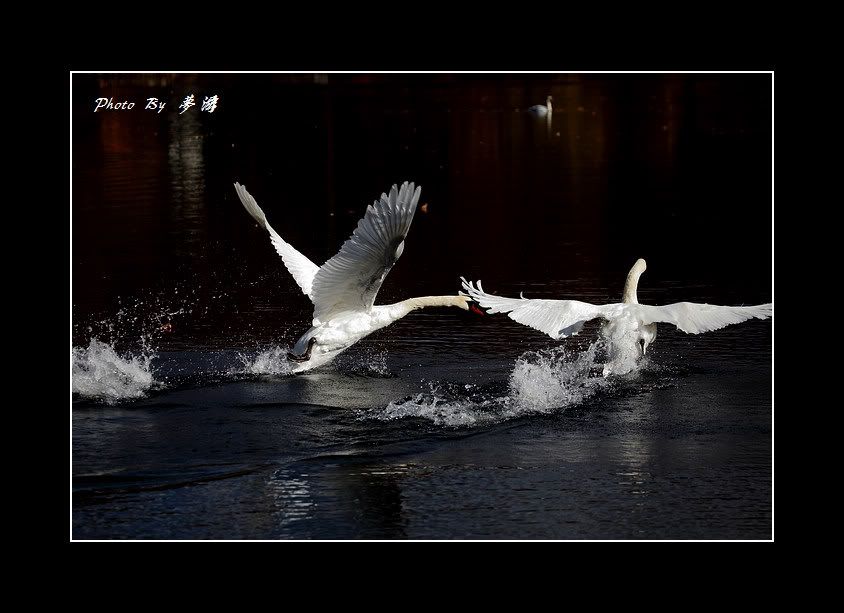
(344, 288)
(629, 326)
(541, 110)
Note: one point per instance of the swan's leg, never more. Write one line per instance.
(305, 356)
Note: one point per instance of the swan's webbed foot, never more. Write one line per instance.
(305, 356)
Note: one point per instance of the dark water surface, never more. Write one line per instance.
(444, 425)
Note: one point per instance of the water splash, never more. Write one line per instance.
(268, 362)
(149, 318)
(445, 405)
(557, 378)
(273, 361)
(366, 361)
(621, 337)
(541, 382)
(112, 355)
(100, 373)
(376, 364)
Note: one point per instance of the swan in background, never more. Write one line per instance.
(629, 326)
(344, 288)
(541, 110)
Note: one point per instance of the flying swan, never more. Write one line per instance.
(629, 326)
(343, 289)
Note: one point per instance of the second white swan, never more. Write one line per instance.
(629, 326)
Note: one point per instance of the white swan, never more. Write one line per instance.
(629, 326)
(542, 110)
(343, 289)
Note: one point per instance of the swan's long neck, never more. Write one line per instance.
(632, 282)
(400, 309)
(434, 301)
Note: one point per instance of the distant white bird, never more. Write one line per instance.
(541, 110)
(629, 326)
(344, 288)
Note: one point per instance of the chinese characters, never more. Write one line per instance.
(186, 104)
(208, 105)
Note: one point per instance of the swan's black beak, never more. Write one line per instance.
(304, 357)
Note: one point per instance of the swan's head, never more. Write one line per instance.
(648, 335)
(640, 266)
(548, 101)
(467, 304)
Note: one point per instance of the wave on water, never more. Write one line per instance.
(541, 382)
(100, 373)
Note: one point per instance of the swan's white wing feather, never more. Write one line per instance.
(556, 318)
(302, 269)
(350, 280)
(694, 318)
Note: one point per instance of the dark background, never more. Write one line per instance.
(675, 168)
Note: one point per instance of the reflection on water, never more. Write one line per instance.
(186, 164)
(291, 497)
(354, 500)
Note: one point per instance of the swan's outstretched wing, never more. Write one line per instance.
(556, 318)
(694, 318)
(302, 269)
(349, 281)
